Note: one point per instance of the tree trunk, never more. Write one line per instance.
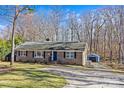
(13, 42)
(72, 35)
(104, 46)
(119, 53)
(78, 35)
(91, 42)
(111, 56)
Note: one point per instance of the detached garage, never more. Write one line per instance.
(93, 57)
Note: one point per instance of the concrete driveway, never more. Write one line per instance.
(99, 77)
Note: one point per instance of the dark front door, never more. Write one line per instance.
(54, 56)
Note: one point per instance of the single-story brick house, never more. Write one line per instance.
(59, 52)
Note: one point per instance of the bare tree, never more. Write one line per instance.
(56, 16)
(12, 13)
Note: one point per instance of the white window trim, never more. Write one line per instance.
(69, 55)
(22, 53)
(36, 56)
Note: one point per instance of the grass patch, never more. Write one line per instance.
(25, 75)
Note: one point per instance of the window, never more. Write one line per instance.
(38, 54)
(22, 53)
(70, 55)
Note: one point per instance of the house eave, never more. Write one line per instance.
(48, 50)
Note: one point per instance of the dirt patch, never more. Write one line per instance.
(115, 66)
(5, 69)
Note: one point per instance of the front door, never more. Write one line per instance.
(54, 55)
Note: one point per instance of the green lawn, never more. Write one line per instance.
(25, 75)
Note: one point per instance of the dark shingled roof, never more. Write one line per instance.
(51, 46)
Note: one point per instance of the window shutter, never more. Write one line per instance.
(33, 54)
(44, 54)
(64, 54)
(74, 54)
(26, 53)
(18, 53)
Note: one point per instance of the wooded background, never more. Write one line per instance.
(102, 29)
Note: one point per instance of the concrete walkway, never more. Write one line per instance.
(100, 77)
